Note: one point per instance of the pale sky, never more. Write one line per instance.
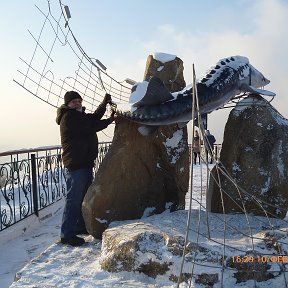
(123, 33)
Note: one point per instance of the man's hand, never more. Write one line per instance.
(107, 99)
(114, 117)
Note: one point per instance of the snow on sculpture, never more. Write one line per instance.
(152, 105)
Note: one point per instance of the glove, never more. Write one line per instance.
(114, 117)
(107, 99)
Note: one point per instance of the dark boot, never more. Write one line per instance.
(73, 241)
(84, 232)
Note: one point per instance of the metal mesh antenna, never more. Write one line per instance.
(57, 51)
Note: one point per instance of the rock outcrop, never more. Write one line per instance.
(255, 154)
(155, 245)
(140, 172)
(168, 68)
(142, 247)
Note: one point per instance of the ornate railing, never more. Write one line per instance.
(31, 180)
(216, 151)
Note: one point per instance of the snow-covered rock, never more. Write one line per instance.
(141, 172)
(156, 250)
(143, 247)
(169, 68)
(255, 154)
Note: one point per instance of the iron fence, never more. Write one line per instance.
(32, 179)
(216, 152)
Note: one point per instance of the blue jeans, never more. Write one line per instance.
(78, 182)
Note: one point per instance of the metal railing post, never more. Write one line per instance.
(34, 184)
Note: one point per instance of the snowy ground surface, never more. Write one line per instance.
(35, 259)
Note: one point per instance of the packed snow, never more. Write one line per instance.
(163, 57)
(37, 259)
(139, 92)
(173, 147)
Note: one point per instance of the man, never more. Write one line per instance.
(196, 147)
(80, 148)
(210, 140)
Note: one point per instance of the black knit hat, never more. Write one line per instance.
(70, 95)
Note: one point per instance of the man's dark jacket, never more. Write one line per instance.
(78, 135)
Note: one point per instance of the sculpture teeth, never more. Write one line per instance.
(147, 116)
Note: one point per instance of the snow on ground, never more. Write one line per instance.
(52, 264)
(21, 243)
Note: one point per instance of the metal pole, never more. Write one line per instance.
(34, 185)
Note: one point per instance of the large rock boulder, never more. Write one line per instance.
(139, 173)
(255, 154)
(145, 248)
(168, 68)
(155, 246)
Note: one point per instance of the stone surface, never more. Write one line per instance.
(122, 251)
(170, 72)
(255, 154)
(207, 279)
(140, 173)
(143, 247)
(251, 270)
(154, 250)
(134, 176)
